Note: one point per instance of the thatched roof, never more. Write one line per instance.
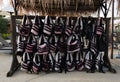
(59, 6)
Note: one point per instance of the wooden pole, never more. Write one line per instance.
(15, 6)
(112, 29)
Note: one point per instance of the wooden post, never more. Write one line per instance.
(15, 6)
(112, 29)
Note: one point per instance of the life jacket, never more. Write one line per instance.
(36, 63)
(79, 61)
(43, 46)
(70, 63)
(73, 44)
(31, 44)
(99, 62)
(37, 26)
(58, 26)
(20, 45)
(58, 61)
(78, 27)
(47, 63)
(48, 26)
(51, 61)
(93, 45)
(61, 44)
(89, 29)
(26, 63)
(52, 43)
(100, 27)
(88, 61)
(68, 27)
(25, 27)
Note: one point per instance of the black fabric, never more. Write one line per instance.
(102, 44)
(61, 44)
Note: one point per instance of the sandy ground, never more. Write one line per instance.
(20, 76)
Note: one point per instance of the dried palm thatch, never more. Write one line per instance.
(59, 6)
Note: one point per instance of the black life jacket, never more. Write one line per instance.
(26, 63)
(37, 27)
(88, 60)
(70, 63)
(58, 26)
(20, 45)
(58, 61)
(43, 46)
(73, 44)
(48, 62)
(79, 61)
(93, 45)
(100, 27)
(48, 26)
(99, 62)
(52, 43)
(68, 27)
(31, 44)
(36, 67)
(25, 27)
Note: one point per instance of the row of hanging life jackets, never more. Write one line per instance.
(47, 38)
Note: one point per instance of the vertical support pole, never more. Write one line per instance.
(11, 30)
(106, 58)
(15, 6)
(112, 29)
(15, 64)
(106, 25)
